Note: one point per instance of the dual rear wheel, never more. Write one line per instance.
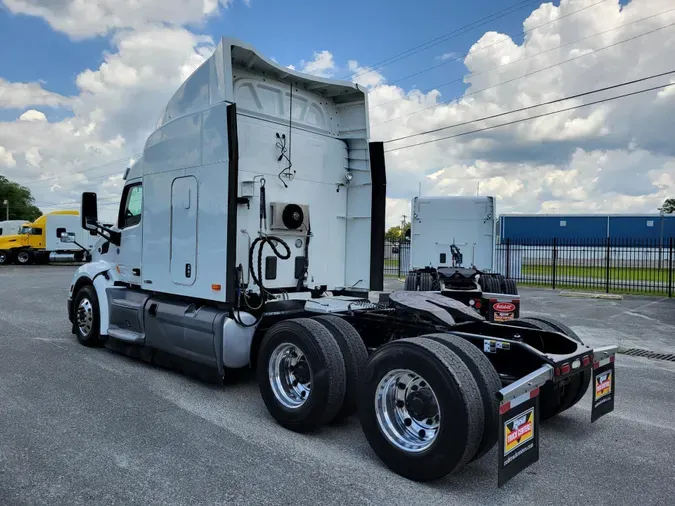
(427, 405)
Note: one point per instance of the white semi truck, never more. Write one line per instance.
(249, 234)
(452, 250)
(11, 227)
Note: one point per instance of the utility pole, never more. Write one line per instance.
(6, 202)
(661, 214)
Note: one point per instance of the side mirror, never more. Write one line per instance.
(68, 237)
(407, 234)
(89, 211)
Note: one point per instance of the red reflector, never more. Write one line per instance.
(477, 304)
(596, 365)
(504, 407)
(534, 393)
(557, 371)
(565, 368)
(611, 359)
(586, 360)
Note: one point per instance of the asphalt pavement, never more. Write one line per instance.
(87, 426)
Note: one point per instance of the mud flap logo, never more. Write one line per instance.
(518, 437)
(518, 431)
(603, 385)
(603, 397)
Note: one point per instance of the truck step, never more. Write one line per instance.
(128, 303)
(128, 336)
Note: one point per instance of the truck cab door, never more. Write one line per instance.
(128, 254)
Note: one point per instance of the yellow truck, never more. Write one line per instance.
(42, 240)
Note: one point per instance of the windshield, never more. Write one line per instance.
(24, 230)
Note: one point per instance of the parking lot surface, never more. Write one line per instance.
(87, 426)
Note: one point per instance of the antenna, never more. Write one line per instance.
(420, 192)
(478, 189)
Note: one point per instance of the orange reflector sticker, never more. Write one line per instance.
(215, 287)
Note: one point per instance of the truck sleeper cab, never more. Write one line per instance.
(250, 233)
(452, 250)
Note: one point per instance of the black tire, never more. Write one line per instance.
(354, 354)
(459, 407)
(559, 326)
(436, 286)
(328, 375)
(426, 282)
(488, 382)
(411, 282)
(24, 257)
(86, 329)
(488, 284)
(554, 401)
(5, 257)
(509, 287)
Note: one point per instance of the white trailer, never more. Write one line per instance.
(249, 234)
(11, 227)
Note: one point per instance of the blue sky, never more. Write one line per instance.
(368, 31)
(130, 56)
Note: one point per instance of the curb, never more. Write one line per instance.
(590, 295)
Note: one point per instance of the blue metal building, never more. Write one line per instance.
(586, 229)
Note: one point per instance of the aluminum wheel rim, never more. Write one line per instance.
(404, 428)
(22, 257)
(85, 317)
(290, 375)
(3, 257)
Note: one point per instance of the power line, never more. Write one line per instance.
(447, 36)
(522, 109)
(473, 74)
(81, 171)
(529, 73)
(68, 202)
(482, 48)
(533, 117)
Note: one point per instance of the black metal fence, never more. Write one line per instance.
(396, 258)
(608, 265)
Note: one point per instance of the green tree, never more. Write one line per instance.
(21, 202)
(395, 234)
(668, 206)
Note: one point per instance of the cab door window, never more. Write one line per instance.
(132, 206)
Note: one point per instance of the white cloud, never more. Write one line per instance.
(615, 157)
(20, 95)
(447, 56)
(6, 158)
(80, 19)
(33, 115)
(364, 76)
(321, 65)
(117, 106)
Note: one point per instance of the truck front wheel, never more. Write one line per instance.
(86, 317)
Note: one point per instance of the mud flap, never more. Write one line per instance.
(519, 424)
(603, 382)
